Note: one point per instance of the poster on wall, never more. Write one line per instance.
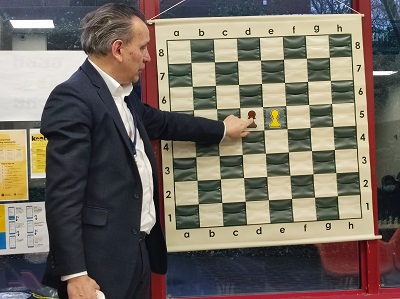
(23, 228)
(303, 174)
(38, 72)
(38, 144)
(13, 165)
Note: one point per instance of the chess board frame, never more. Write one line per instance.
(277, 66)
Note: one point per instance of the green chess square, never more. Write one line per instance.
(327, 208)
(270, 123)
(248, 49)
(250, 96)
(324, 162)
(187, 217)
(231, 167)
(319, 69)
(342, 92)
(281, 211)
(340, 45)
(345, 137)
(185, 169)
(256, 189)
(209, 191)
(224, 113)
(299, 140)
(202, 50)
(348, 184)
(206, 150)
(302, 186)
(294, 47)
(226, 73)
(254, 143)
(234, 214)
(204, 98)
(180, 75)
(187, 112)
(278, 164)
(273, 71)
(296, 94)
(321, 116)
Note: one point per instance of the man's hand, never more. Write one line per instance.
(236, 127)
(82, 287)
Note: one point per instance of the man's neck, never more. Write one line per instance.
(106, 64)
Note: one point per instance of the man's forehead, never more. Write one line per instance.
(140, 27)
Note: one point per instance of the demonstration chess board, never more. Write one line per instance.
(303, 174)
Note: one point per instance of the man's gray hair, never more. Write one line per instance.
(110, 22)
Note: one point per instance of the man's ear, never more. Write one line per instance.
(116, 49)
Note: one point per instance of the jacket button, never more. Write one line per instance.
(136, 196)
(134, 232)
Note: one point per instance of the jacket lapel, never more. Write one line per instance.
(108, 100)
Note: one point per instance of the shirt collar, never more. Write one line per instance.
(116, 89)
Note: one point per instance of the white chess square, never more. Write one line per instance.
(319, 92)
(325, 185)
(179, 52)
(346, 160)
(301, 163)
(225, 50)
(249, 72)
(203, 74)
(349, 206)
(304, 209)
(341, 68)
(343, 115)
(228, 96)
(257, 212)
(274, 95)
(276, 141)
(245, 113)
(254, 166)
(296, 70)
(181, 98)
(210, 114)
(183, 149)
(230, 147)
(208, 168)
(186, 193)
(279, 187)
(298, 117)
(211, 215)
(322, 139)
(317, 46)
(271, 48)
(233, 190)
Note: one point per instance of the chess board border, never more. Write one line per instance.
(306, 232)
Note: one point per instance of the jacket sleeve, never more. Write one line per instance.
(163, 125)
(66, 123)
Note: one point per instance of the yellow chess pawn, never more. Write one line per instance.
(274, 116)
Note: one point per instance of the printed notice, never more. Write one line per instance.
(38, 145)
(13, 165)
(23, 228)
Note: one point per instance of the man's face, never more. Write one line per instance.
(135, 54)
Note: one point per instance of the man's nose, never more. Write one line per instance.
(147, 57)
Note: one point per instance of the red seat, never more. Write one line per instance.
(395, 243)
(385, 257)
(342, 259)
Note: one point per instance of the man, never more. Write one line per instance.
(101, 186)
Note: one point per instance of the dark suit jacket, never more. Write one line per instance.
(93, 188)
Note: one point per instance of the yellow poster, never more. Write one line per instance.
(38, 145)
(13, 165)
